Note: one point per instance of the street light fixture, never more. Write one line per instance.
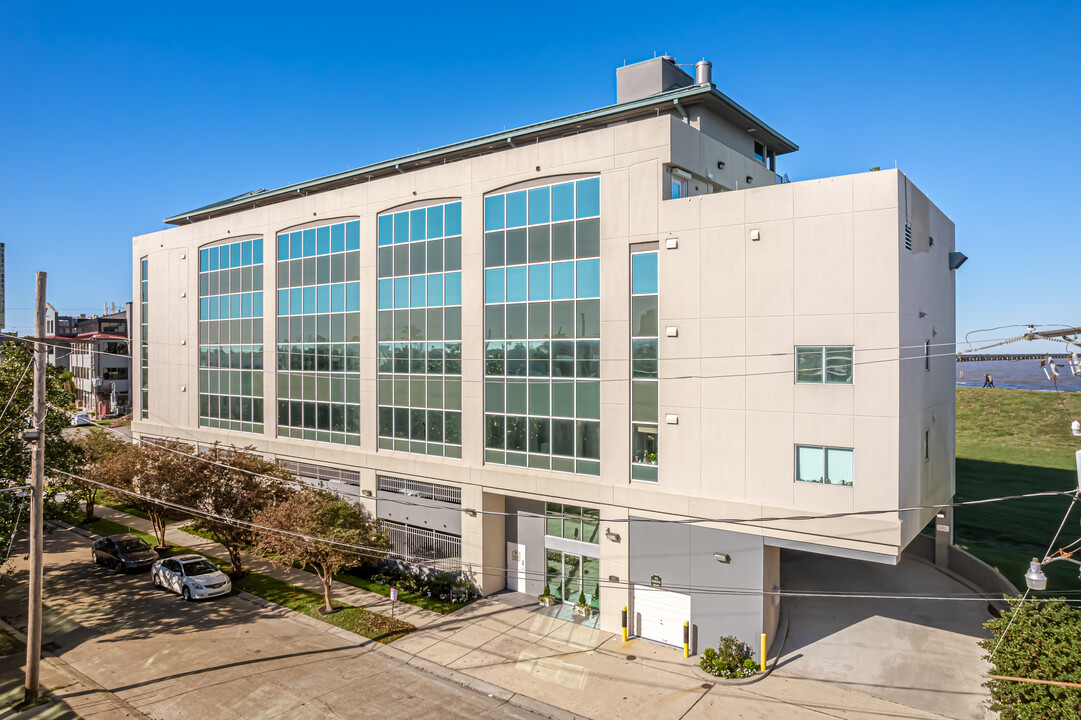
(1034, 578)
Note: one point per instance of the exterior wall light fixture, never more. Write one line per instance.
(750, 179)
(614, 537)
(720, 164)
(722, 557)
(366, 492)
(471, 513)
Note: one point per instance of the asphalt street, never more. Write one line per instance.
(130, 649)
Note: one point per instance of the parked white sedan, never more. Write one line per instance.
(193, 576)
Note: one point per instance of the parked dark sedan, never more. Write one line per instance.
(123, 552)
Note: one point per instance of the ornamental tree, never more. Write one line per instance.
(1044, 643)
(110, 460)
(249, 485)
(166, 474)
(16, 399)
(323, 527)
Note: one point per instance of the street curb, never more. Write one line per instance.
(736, 682)
(460, 678)
(441, 671)
(61, 525)
(60, 666)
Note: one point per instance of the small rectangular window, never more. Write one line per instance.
(927, 355)
(829, 364)
(926, 445)
(825, 465)
(759, 152)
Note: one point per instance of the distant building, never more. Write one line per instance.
(3, 320)
(96, 350)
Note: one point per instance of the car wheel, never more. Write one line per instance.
(118, 567)
(186, 592)
(157, 581)
(94, 557)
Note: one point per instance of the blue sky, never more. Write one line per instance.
(119, 115)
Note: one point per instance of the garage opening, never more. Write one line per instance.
(659, 614)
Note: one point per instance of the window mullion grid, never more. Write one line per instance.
(550, 418)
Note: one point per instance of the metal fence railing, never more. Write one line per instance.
(420, 488)
(423, 547)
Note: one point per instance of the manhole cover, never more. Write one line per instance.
(707, 686)
(631, 657)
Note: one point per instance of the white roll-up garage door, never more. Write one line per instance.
(659, 614)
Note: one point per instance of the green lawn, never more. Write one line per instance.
(1013, 442)
(355, 620)
(434, 604)
(132, 510)
(104, 527)
(9, 645)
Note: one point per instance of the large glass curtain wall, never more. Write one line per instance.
(144, 338)
(319, 334)
(644, 366)
(231, 336)
(420, 330)
(542, 327)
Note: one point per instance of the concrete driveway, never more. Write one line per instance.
(919, 653)
(130, 649)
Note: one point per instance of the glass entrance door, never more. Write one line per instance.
(569, 575)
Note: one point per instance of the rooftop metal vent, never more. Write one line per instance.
(908, 237)
(703, 72)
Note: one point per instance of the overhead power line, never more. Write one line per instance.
(737, 356)
(684, 521)
(379, 553)
(1028, 590)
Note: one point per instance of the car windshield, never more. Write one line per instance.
(132, 545)
(198, 567)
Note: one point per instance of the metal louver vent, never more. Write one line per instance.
(908, 237)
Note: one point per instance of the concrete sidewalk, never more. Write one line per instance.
(589, 673)
(175, 535)
(74, 694)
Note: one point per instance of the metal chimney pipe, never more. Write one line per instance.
(703, 72)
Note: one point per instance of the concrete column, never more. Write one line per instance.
(368, 485)
(771, 582)
(483, 540)
(615, 570)
(943, 537)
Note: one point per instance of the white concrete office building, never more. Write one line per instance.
(563, 354)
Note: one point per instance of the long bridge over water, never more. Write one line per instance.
(977, 357)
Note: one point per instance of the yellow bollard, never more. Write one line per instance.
(763, 652)
(624, 623)
(686, 639)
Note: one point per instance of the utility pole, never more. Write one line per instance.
(37, 505)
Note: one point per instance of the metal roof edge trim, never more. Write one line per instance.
(659, 99)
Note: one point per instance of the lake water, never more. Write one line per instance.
(1017, 374)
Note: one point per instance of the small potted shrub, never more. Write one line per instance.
(581, 607)
(547, 599)
(731, 659)
(652, 458)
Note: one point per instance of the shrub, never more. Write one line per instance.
(1044, 643)
(731, 659)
